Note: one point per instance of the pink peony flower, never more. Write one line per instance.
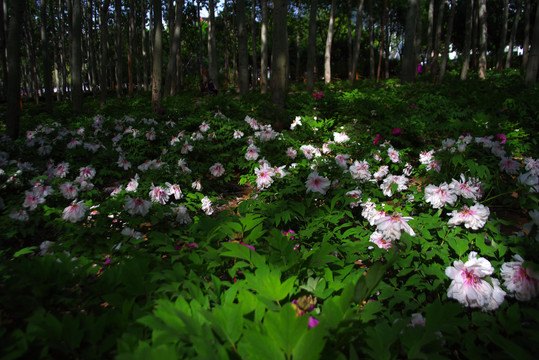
(473, 218)
(217, 169)
(440, 196)
(317, 183)
(396, 132)
(522, 281)
(377, 139)
(74, 212)
(137, 206)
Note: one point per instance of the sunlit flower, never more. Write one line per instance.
(340, 137)
(342, 160)
(75, 211)
(523, 281)
(68, 190)
(296, 122)
(474, 217)
(381, 173)
(440, 196)
(400, 180)
(264, 176)
(87, 172)
(31, 200)
(291, 153)
(204, 127)
(467, 285)
(207, 206)
(252, 153)
(317, 183)
(354, 194)
(238, 134)
(393, 154)
(467, 189)
(174, 190)
(380, 240)
(133, 184)
(61, 170)
(359, 170)
(391, 226)
(158, 194)
(196, 185)
(308, 151)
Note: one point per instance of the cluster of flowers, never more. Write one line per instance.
(470, 287)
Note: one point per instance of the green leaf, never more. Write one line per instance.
(460, 246)
(366, 284)
(24, 251)
(369, 310)
(257, 346)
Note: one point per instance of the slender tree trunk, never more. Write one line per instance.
(264, 47)
(30, 44)
(157, 92)
(357, 41)
(175, 38)
(279, 55)
(447, 40)
(63, 55)
(430, 31)
(475, 37)
(438, 38)
(254, 80)
(3, 58)
(131, 48)
(14, 69)
(45, 53)
(144, 47)
(467, 40)
(349, 39)
(526, 44)
(513, 36)
(409, 53)
(311, 48)
(382, 42)
(482, 71)
(533, 58)
(104, 34)
(329, 43)
(503, 37)
(118, 73)
(213, 65)
(371, 40)
(298, 43)
(388, 39)
(243, 54)
(76, 57)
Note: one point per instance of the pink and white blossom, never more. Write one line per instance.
(342, 160)
(467, 189)
(207, 206)
(400, 180)
(61, 170)
(359, 170)
(174, 190)
(252, 153)
(264, 175)
(31, 200)
(317, 183)
(509, 166)
(520, 280)
(380, 240)
(68, 190)
(392, 226)
(340, 137)
(217, 169)
(182, 216)
(137, 206)
(440, 196)
(158, 194)
(75, 211)
(474, 217)
(291, 153)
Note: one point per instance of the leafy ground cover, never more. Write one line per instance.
(385, 221)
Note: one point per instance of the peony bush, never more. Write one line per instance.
(208, 233)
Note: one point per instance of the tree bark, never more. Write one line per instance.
(526, 44)
(157, 92)
(409, 54)
(254, 80)
(430, 30)
(279, 55)
(104, 35)
(512, 38)
(357, 40)
(311, 48)
(298, 43)
(264, 47)
(144, 46)
(438, 38)
(213, 65)
(14, 70)
(243, 54)
(175, 39)
(467, 40)
(131, 48)
(118, 70)
(449, 32)
(503, 37)
(482, 70)
(371, 41)
(533, 58)
(45, 53)
(349, 39)
(3, 59)
(76, 57)
(329, 43)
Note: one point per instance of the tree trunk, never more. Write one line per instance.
(467, 40)
(213, 65)
(104, 35)
(382, 42)
(349, 39)
(279, 55)
(30, 44)
(503, 37)
(14, 69)
(357, 40)
(175, 39)
(131, 48)
(409, 54)
(157, 92)
(243, 54)
(475, 31)
(371, 41)
(3, 59)
(144, 45)
(76, 57)
(118, 73)
(298, 44)
(311, 48)
(438, 38)
(254, 80)
(329, 43)
(447, 40)
(526, 44)
(512, 38)
(264, 47)
(45, 53)
(533, 58)
(430, 30)
(482, 70)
